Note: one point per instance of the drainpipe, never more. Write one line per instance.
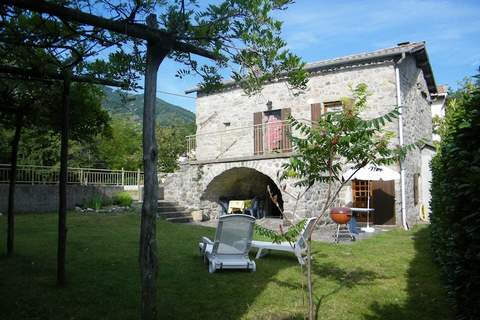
(400, 133)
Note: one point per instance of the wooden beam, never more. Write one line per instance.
(36, 75)
(162, 38)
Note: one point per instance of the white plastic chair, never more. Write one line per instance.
(298, 247)
(232, 243)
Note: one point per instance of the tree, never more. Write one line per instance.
(326, 149)
(37, 49)
(34, 109)
(235, 34)
(123, 148)
(455, 218)
(172, 144)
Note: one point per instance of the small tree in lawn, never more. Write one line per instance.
(326, 149)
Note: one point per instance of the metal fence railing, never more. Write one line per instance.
(262, 139)
(28, 174)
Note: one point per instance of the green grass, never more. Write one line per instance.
(390, 276)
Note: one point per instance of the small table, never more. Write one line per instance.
(367, 210)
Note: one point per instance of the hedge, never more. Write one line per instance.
(455, 217)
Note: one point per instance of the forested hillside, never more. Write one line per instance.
(118, 145)
(131, 106)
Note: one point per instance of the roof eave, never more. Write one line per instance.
(418, 52)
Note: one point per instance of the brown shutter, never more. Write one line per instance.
(316, 111)
(285, 113)
(257, 133)
(286, 143)
(383, 201)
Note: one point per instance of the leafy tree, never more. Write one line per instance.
(123, 149)
(172, 144)
(455, 218)
(326, 149)
(35, 47)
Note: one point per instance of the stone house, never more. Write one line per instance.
(241, 142)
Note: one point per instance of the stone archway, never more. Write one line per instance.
(242, 183)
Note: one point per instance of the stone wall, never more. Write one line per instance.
(234, 107)
(417, 124)
(44, 198)
(187, 186)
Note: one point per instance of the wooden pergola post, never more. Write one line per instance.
(12, 182)
(148, 241)
(62, 207)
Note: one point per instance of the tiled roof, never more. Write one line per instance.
(417, 49)
(365, 56)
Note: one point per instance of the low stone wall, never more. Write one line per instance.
(44, 198)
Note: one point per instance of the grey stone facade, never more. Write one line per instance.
(189, 186)
(417, 125)
(225, 138)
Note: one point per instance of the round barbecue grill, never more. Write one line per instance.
(342, 216)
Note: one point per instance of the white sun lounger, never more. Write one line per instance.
(298, 248)
(232, 243)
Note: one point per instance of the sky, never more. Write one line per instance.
(319, 30)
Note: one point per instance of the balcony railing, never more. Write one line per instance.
(258, 140)
(27, 174)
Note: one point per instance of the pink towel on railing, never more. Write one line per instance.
(274, 133)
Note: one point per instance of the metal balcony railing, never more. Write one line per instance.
(258, 140)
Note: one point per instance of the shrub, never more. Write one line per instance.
(98, 201)
(455, 218)
(94, 202)
(123, 199)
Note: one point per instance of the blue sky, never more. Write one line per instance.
(318, 30)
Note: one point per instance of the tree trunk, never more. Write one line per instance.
(62, 208)
(12, 182)
(148, 242)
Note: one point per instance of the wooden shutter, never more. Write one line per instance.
(257, 133)
(315, 111)
(383, 201)
(286, 143)
(285, 113)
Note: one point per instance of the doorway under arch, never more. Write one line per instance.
(245, 184)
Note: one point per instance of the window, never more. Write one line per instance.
(360, 193)
(333, 106)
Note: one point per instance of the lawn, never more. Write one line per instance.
(390, 276)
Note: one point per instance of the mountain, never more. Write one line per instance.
(167, 114)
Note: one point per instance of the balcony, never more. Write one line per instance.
(258, 141)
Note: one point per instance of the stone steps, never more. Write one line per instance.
(180, 219)
(172, 212)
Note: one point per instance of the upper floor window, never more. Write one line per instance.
(333, 106)
(317, 110)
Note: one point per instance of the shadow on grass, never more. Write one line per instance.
(340, 277)
(103, 275)
(425, 294)
(344, 279)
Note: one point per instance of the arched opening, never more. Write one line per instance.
(245, 184)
